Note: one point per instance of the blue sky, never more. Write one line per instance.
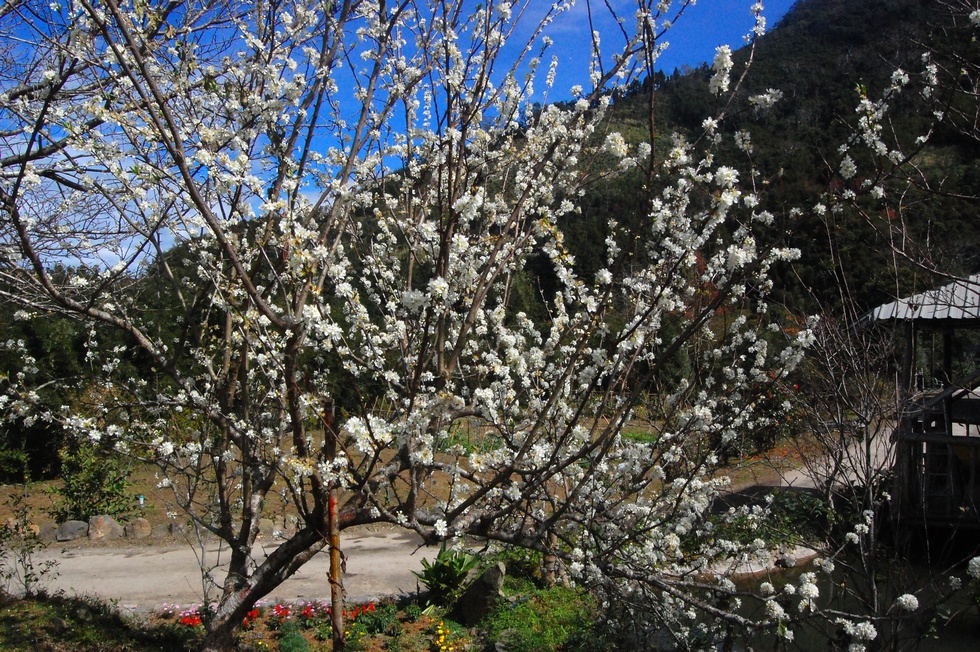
(692, 39)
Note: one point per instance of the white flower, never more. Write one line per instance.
(775, 610)
(808, 588)
(616, 145)
(442, 529)
(975, 16)
(767, 100)
(414, 300)
(847, 167)
(722, 66)
(973, 568)
(726, 177)
(908, 602)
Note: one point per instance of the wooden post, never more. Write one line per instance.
(336, 577)
(333, 537)
(906, 453)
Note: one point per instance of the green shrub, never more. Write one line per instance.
(95, 482)
(521, 563)
(543, 621)
(291, 639)
(413, 611)
(446, 576)
(382, 620)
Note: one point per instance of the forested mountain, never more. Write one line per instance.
(823, 56)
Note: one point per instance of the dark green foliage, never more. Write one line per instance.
(794, 517)
(29, 447)
(95, 482)
(542, 621)
(521, 564)
(59, 623)
(413, 611)
(382, 620)
(291, 639)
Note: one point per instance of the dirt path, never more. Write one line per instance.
(144, 577)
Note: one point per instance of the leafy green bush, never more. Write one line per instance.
(413, 611)
(521, 563)
(291, 639)
(446, 576)
(542, 621)
(793, 516)
(95, 482)
(381, 620)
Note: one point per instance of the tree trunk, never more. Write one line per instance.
(223, 625)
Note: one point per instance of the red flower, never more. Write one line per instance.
(190, 620)
(250, 618)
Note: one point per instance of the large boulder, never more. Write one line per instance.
(171, 529)
(48, 532)
(71, 530)
(477, 601)
(104, 527)
(138, 528)
(266, 528)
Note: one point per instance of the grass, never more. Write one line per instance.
(57, 624)
(545, 620)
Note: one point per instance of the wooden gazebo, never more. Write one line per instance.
(937, 452)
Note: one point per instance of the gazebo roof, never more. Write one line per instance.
(958, 301)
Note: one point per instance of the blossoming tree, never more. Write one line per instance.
(313, 222)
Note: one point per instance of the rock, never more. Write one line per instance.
(104, 527)
(786, 561)
(48, 532)
(477, 601)
(21, 528)
(171, 529)
(138, 528)
(266, 528)
(71, 530)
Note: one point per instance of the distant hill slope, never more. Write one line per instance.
(818, 55)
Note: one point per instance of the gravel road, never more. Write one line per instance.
(142, 577)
